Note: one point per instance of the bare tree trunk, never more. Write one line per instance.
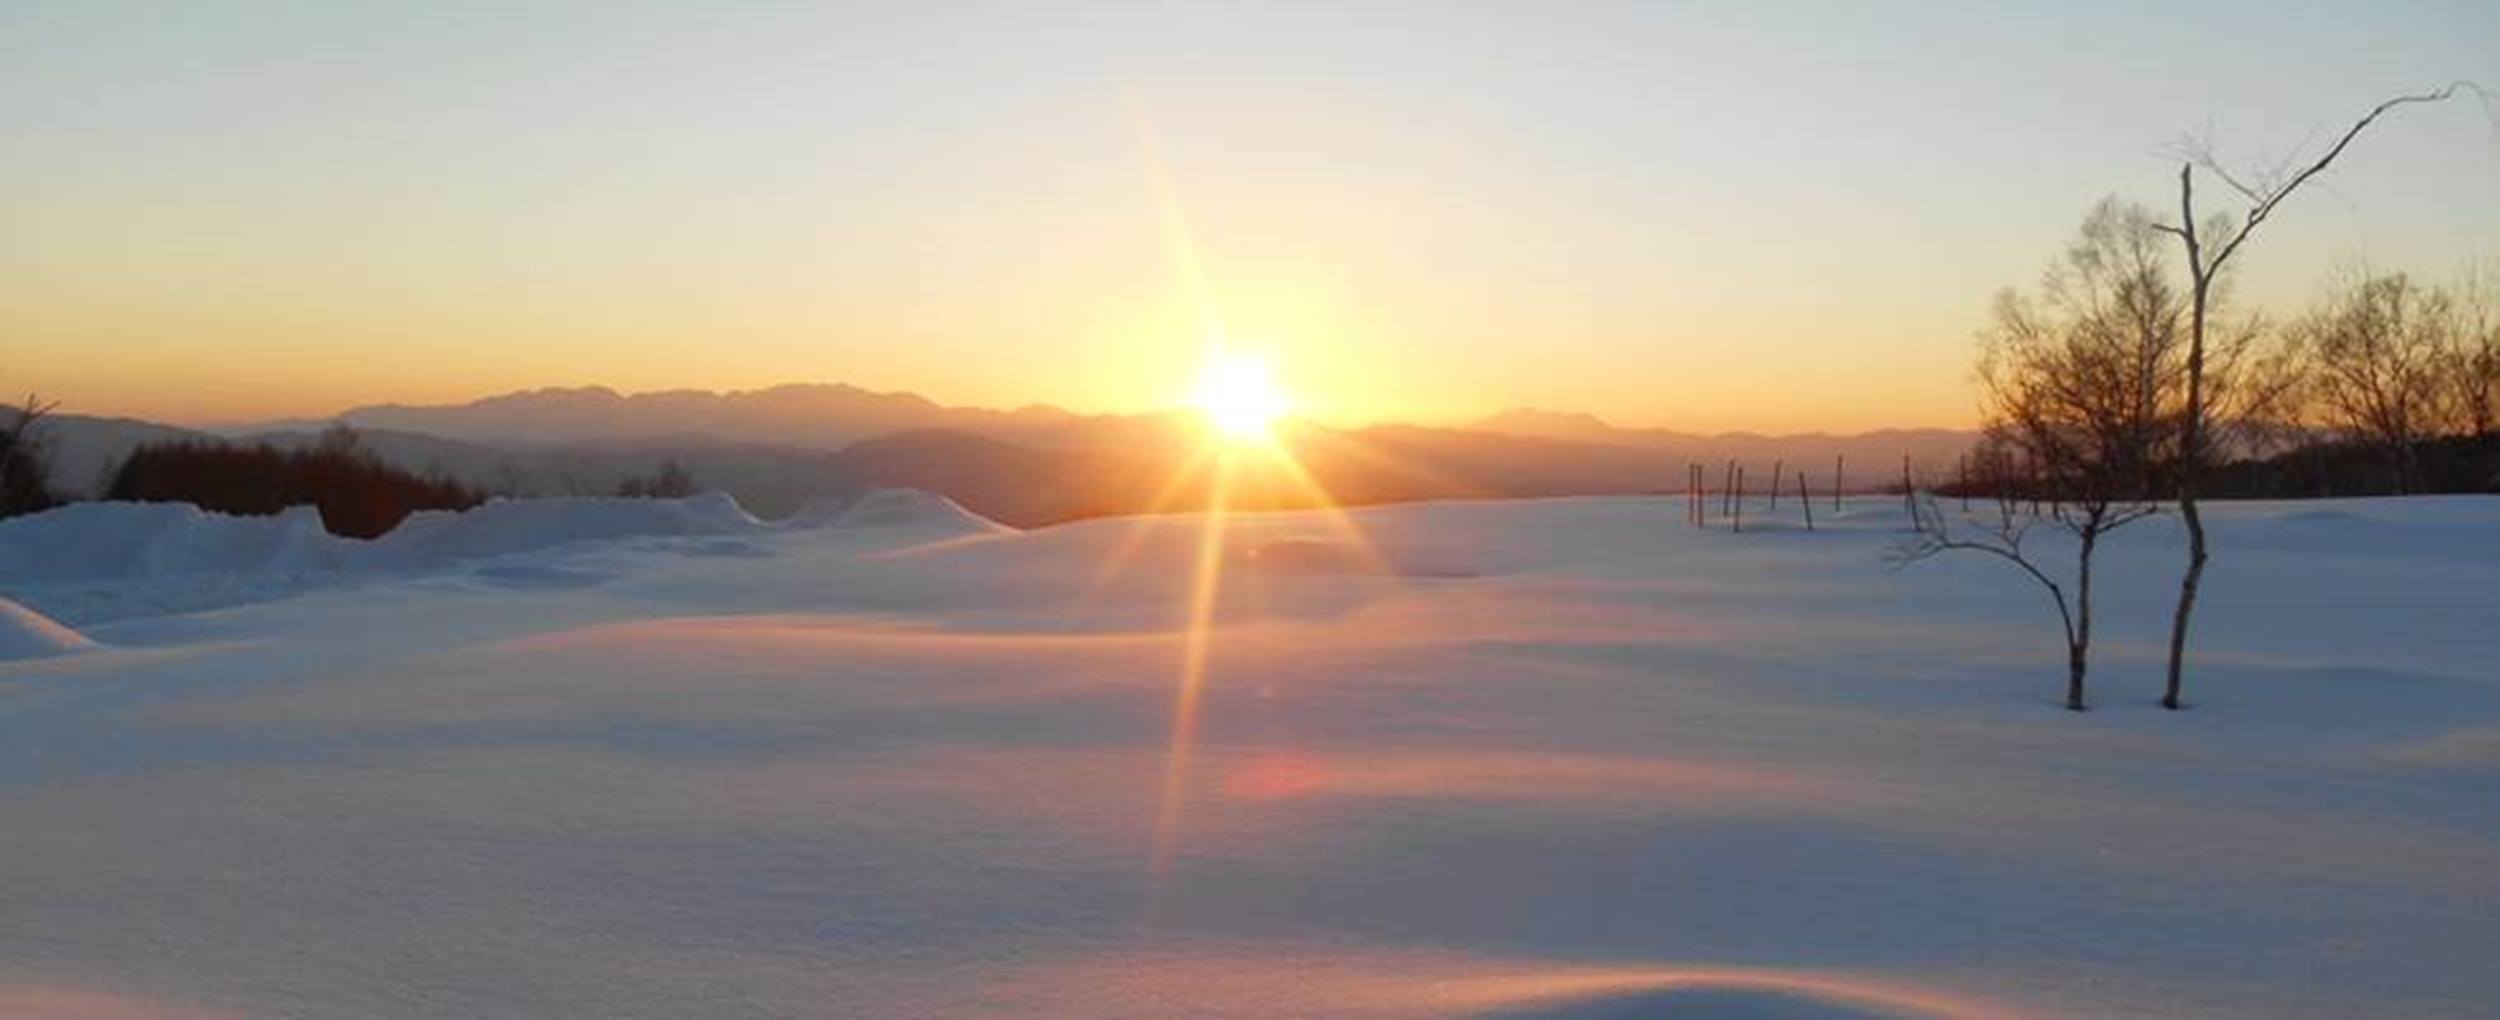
(1803, 500)
(1839, 466)
(1777, 473)
(2202, 272)
(1727, 490)
(2079, 650)
(2191, 439)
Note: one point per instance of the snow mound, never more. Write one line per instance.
(94, 562)
(502, 527)
(102, 541)
(27, 634)
(90, 542)
(890, 508)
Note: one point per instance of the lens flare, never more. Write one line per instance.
(1241, 402)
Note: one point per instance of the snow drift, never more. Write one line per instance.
(896, 508)
(115, 560)
(503, 527)
(101, 541)
(27, 634)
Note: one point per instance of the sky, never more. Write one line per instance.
(1695, 215)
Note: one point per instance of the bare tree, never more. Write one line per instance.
(2003, 538)
(2379, 353)
(2474, 363)
(25, 477)
(671, 481)
(2209, 247)
(2081, 383)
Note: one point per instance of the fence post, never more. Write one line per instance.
(1740, 501)
(1802, 499)
(1909, 496)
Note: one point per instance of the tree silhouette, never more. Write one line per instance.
(2081, 383)
(2209, 249)
(25, 476)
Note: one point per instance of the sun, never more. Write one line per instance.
(1238, 396)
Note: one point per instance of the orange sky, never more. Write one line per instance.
(1702, 218)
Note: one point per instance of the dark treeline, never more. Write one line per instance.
(2334, 467)
(357, 493)
(671, 481)
(2349, 467)
(25, 480)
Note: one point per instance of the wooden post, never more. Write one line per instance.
(1803, 500)
(1740, 500)
(1839, 467)
(1727, 489)
(1961, 467)
(1909, 495)
(1776, 474)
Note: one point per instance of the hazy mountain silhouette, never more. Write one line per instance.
(823, 416)
(778, 448)
(83, 450)
(1577, 426)
(1019, 485)
(1873, 458)
(833, 416)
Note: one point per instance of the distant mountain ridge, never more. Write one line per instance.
(834, 415)
(1579, 426)
(1871, 458)
(780, 447)
(812, 415)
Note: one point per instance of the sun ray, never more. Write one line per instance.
(1197, 650)
(1381, 463)
(1331, 513)
(1163, 500)
(1241, 403)
(1179, 242)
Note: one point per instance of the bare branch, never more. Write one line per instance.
(2265, 204)
(2004, 543)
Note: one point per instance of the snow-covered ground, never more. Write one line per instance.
(1535, 759)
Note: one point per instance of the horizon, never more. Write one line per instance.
(1234, 508)
(1771, 220)
(1182, 407)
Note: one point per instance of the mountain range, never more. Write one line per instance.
(778, 448)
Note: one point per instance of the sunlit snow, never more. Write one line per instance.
(1534, 759)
